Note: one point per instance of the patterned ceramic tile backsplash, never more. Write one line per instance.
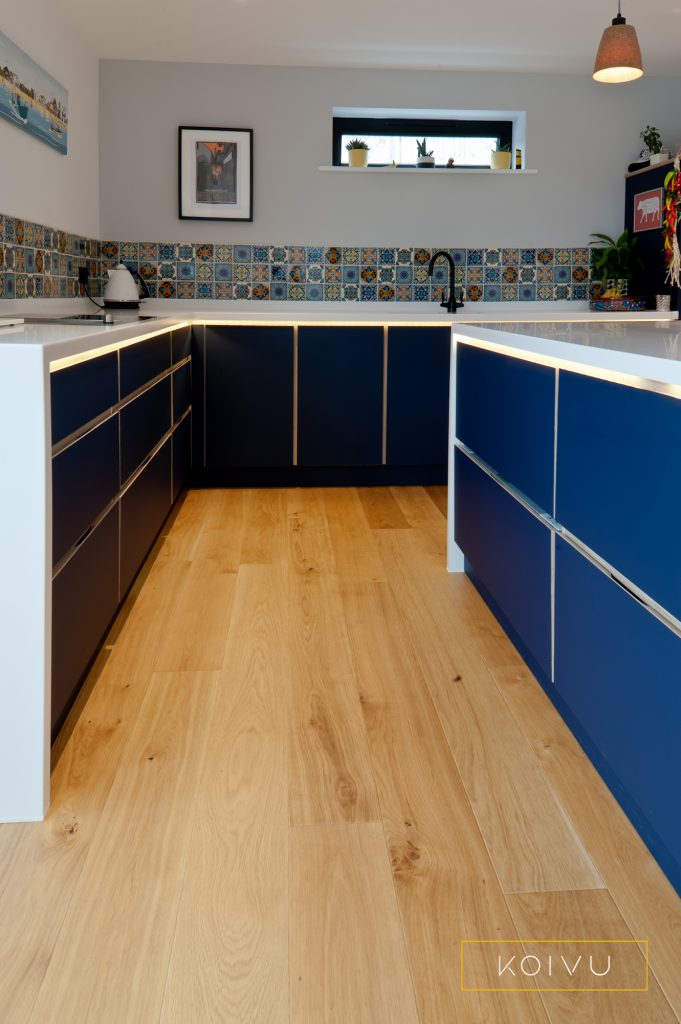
(36, 261)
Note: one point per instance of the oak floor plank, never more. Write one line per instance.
(348, 961)
(569, 916)
(430, 529)
(265, 535)
(230, 953)
(356, 556)
(381, 509)
(111, 961)
(531, 841)
(331, 778)
(446, 886)
(198, 621)
(438, 495)
(645, 898)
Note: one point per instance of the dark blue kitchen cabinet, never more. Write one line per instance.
(81, 392)
(618, 481)
(181, 456)
(618, 671)
(508, 555)
(182, 391)
(418, 396)
(144, 421)
(144, 507)
(180, 344)
(84, 481)
(144, 361)
(248, 392)
(505, 413)
(84, 602)
(340, 396)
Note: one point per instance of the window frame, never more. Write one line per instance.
(419, 127)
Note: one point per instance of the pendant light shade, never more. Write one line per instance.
(619, 55)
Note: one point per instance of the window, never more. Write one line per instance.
(393, 139)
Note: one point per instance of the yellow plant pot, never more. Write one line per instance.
(499, 161)
(358, 157)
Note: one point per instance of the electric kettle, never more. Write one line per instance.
(124, 289)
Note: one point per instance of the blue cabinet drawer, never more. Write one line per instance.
(508, 551)
(84, 601)
(618, 669)
(618, 480)
(144, 507)
(181, 343)
(418, 396)
(143, 423)
(84, 481)
(82, 392)
(182, 391)
(143, 361)
(505, 413)
(182, 437)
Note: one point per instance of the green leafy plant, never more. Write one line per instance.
(652, 139)
(422, 151)
(356, 144)
(614, 258)
(504, 149)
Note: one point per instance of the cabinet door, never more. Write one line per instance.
(505, 412)
(181, 342)
(340, 396)
(143, 361)
(84, 601)
(418, 396)
(80, 393)
(508, 551)
(143, 423)
(618, 483)
(182, 437)
(144, 507)
(618, 671)
(248, 381)
(182, 391)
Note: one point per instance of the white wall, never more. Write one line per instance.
(36, 182)
(581, 136)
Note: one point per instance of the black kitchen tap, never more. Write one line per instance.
(451, 305)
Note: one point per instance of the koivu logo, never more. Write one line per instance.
(532, 966)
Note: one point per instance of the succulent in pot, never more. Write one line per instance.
(358, 152)
(424, 156)
(500, 158)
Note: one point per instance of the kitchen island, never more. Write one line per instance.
(565, 499)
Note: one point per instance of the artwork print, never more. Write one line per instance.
(215, 173)
(648, 207)
(216, 165)
(31, 98)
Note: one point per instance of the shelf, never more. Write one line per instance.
(424, 170)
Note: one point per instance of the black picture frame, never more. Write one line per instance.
(215, 173)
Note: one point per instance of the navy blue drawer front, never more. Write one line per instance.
(84, 601)
(84, 481)
(82, 392)
(181, 343)
(340, 396)
(182, 437)
(418, 396)
(505, 412)
(619, 485)
(144, 507)
(182, 391)
(143, 361)
(143, 424)
(618, 671)
(509, 553)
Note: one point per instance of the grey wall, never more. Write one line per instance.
(580, 137)
(36, 182)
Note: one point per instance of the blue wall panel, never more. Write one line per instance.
(505, 411)
(618, 669)
(619, 480)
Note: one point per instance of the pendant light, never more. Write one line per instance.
(619, 55)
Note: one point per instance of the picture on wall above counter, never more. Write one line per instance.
(31, 98)
(216, 173)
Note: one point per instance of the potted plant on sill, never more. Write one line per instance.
(500, 158)
(358, 153)
(424, 158)
(615, 264)
(652, 140)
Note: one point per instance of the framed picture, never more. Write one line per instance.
(648, 207)
(31, 98)
(216, 173)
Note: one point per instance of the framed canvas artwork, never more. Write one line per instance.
(31, 98)
(216, 173)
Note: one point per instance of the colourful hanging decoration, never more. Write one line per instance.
(672, 209)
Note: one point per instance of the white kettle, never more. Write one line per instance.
(124, 289)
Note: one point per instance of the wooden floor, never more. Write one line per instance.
(306, 766)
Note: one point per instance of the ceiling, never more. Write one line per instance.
(521, 35)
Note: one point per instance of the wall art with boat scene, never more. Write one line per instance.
(31, 98)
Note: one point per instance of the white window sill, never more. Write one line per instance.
(423, 170)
